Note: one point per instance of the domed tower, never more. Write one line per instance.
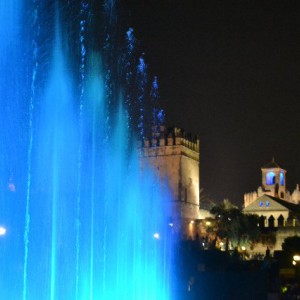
(273, 180)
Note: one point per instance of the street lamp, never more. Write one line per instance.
(296, 260)
(222, 246)
(243, 252)
(296, 257)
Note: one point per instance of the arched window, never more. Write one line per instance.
(280, 221)
(270, 178)
(271, 221)
(261, 221)
(281, 178)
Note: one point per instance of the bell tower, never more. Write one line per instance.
(273, 180)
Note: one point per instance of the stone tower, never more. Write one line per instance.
(174, 156)
(273, 180)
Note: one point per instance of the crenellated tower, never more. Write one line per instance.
(174, 155)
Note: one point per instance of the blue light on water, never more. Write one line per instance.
(142, 80)
(158, 115)
(130, 40)
(76, 213)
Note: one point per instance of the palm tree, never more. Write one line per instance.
(234, 226)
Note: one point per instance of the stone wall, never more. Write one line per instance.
(174, 157)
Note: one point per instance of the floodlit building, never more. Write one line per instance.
(274, 212)
(174, 156)
(274, 185)
(276, 207)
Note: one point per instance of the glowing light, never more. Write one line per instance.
(171, 224)
(156, 236)
(2, 230)
(296, 257)
(142, 79)
(208, 223)
(192, 222)
(243, 248)
(11, 187)
(294, 263)
(222, 248)
(281, 178)
(270, 178)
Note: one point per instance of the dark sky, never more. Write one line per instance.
(229, 71)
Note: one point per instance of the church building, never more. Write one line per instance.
(276, 207)
(274, 185)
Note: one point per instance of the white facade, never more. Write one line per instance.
(273, 183)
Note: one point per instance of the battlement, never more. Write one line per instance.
(172, 136)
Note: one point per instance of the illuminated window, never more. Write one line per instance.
(270, 178)
(281, 179)
(267, 203)
(261, 203)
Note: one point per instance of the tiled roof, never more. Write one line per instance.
(291, 206)
(271, 165)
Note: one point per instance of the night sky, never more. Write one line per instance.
(229, 71)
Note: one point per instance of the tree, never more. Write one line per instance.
(207, 203)
(236, 228)
(291, 245)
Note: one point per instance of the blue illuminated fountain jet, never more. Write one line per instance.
(78, 218)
